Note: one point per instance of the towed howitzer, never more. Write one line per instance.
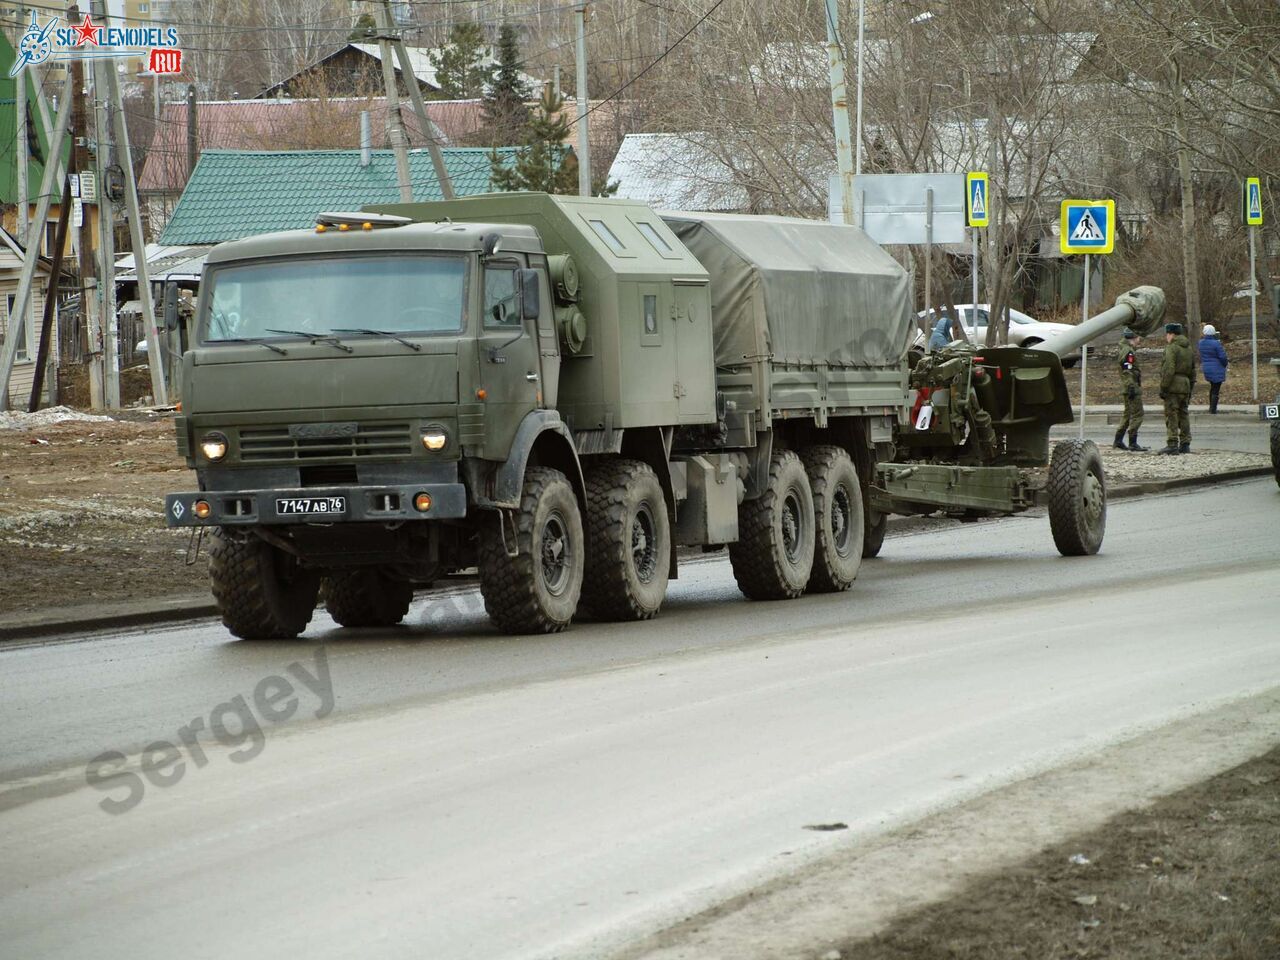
(976, 438)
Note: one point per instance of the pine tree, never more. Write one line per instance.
(505, 113)
(460, 71)
(364, 28)
(544, 163)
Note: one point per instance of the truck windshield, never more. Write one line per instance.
(320, 295)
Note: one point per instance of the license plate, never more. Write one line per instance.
(311, 506)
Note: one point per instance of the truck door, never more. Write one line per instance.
(694, 351)
(509, 368)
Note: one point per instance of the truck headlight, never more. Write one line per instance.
(213, 446)
(434, 438)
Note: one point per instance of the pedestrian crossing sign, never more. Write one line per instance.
(1253, 202)
(977, 211)
(1088, 226)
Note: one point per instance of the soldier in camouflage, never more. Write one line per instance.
(1177, 374)
(1130, 392)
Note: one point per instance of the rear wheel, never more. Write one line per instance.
(537, 590)
(838, 520)
(366, 598)
(1077, 498)
(262, 592)
(773, 557)
(628, 542)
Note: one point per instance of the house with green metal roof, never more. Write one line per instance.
(11, 114)
(238, 193)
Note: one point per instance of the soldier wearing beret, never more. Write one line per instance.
(1177, 373)
(1130, 392)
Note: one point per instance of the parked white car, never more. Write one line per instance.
(1024, 330)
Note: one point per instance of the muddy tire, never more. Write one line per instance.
(366, 598)
(1275, 450)
(773, 557)
(537, 590)
(628, 542)
(1077, 492)
(839, 523)
(261, 592)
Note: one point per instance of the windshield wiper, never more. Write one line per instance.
(260, 341)
(379, 333)
(313, 338)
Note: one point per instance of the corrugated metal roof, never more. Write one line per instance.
(235, 193)
(288, 125)
(672, 171)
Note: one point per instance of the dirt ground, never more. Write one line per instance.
(81, 515)
(1195, 876)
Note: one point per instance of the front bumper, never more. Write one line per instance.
(382, 503)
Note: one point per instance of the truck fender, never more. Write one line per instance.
(542, 437)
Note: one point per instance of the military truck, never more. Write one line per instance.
(557, 391)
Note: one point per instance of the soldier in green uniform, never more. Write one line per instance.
(1130, 391)
(1177, 373)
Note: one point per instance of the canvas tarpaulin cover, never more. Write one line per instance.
(799, 291)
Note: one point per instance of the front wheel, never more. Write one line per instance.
(262, 592)
(531, 564)
(1077, 492)
(773, 557)
(873, 536)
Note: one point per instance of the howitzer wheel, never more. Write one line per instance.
(366, 598)
(1275, 450)
(873, 536)
(1077, 492)
(837, 510)
(262, 593)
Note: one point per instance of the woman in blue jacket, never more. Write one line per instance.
(1213, 361)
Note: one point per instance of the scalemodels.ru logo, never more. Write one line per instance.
(88, 40)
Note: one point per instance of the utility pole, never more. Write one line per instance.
(1190, 258)
(24, 149)
(415, 97)
(584, 139)
(84, 230)
(840, 115)
(193, 130)
(155, 359)
(106, 227)
(395, 123)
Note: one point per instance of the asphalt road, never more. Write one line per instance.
(464, 794)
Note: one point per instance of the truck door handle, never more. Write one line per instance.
(531, 377)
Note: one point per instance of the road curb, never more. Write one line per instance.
(1124, 491)
(145, 613)
(131, 614)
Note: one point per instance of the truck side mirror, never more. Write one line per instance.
(530, 298)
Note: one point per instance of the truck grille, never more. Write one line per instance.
(370, 441)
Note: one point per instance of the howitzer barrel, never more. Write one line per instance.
(1142, 308)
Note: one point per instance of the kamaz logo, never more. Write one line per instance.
(323, 431)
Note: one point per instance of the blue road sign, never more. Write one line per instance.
(977, 209)
(1253, 202)
(1088, 226)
